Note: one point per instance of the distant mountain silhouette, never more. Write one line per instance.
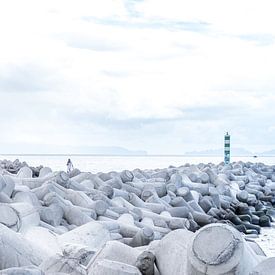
(267, 153)
(218, 152)
(113, 150)
(40, 149)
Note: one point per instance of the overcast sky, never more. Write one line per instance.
(165, 76)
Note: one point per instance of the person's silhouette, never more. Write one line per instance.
(70, 166)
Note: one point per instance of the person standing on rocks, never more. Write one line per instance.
(70, 166)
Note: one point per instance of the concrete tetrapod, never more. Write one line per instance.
(43, 240)
(6, 185)
(171, 252)
(114, 251)
(108, 267)
(15, 251)
(72, 260)
(61, 178)
(19, 216)
(143, 237)
(266, 267)
(24, 172)
(44, 171)
(52, 214)
(145, 263)
(26, 270)
(136, 207)
(218, 249)
(92, 234)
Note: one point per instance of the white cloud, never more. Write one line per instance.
(247, 16)
(162, 78)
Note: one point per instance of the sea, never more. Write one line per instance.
(103, 163)
(99, 163)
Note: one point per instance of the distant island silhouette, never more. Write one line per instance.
(234, 151)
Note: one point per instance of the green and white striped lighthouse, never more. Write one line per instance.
(227, 148)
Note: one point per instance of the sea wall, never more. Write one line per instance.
(192, 219)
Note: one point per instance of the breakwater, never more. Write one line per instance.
(140, 221)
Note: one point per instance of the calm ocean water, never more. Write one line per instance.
(97, 163)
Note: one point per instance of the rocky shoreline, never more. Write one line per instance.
(192, 219)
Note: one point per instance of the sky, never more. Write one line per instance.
(165, 76)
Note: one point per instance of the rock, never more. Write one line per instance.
(256, 248)
(264, 221)
(72, 260)
(126, 176)
(266, 267)
(62, 264)
(19, 216)
(44, 171)
(74, 173)
(171, 252)
(145, 263)
(92, 234)
(52, 214)
(27, 214)
(108, 267)
(114, 251)
(54, 209)
(9, 217)
(220, 249)
(43, 240)
(15, 251)
(24, 172)
(26, 197)
(142, 237)
(7, 185)
(26, 270)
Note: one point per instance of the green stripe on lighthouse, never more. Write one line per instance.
(227, 148)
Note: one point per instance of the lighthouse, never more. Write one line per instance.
(227, 148)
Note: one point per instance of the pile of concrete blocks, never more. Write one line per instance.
(136, 222)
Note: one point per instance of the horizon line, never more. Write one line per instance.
(126, 155)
